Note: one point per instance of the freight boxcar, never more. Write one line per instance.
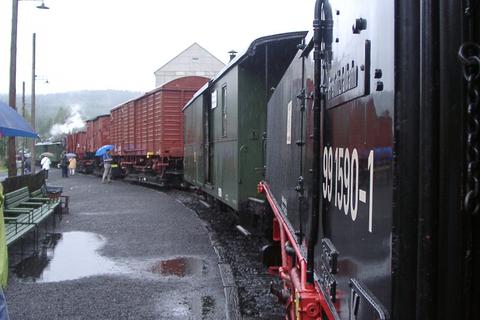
(225, 121)
(147, 132)
(71, 141)
(100, 136)
(97, 134)
(77, 143)
(89, 135)
(101, 131)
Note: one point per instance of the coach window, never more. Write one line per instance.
(214, 100)
(224, 111)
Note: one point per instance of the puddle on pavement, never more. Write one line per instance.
(179, 267)
(67, 256)
(74, 255)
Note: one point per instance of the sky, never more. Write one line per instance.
(118, 44)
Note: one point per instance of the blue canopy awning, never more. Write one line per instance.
(13, 125)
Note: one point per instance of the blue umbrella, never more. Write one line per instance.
(103, 149)
(12, 124)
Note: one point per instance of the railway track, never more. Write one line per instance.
(242, 253)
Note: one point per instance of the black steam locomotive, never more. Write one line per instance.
(372, 163)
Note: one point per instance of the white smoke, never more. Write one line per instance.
(73, 121)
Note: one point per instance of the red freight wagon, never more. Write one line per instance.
(168, 103)
(101, 131)
(89, 136)
(121, 127)
(97, 132)
(76, 143)
(148, 131)
(139, 126)
(153, 123)
(80, 147)
(70, 142)
(115, 137)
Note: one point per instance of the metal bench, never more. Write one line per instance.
(16, 227)
(52, 201)
(18, 217)
(22, 213)
(18, 201)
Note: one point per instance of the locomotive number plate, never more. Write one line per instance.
(341, 168)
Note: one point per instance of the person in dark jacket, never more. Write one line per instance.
(64, 165)
(26, 165)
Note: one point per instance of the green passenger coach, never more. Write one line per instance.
(225, 121)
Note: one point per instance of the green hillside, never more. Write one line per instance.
(69, 109)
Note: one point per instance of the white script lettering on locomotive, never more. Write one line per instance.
(341, 169)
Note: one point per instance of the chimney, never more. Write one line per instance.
(233, 54)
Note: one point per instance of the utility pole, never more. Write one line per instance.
(32, 152)
(12, 92)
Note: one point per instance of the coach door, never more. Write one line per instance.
(209, 104)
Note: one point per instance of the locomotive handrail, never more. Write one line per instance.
(301, 282)
(322, 34)
(291, 239)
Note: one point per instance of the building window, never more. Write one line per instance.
(224, 111)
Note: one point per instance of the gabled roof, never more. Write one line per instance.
(190, 48)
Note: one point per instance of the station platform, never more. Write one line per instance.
(122, 252)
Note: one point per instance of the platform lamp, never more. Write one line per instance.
(12, 92)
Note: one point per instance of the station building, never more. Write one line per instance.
(193, 61)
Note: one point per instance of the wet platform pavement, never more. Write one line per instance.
(123, 252)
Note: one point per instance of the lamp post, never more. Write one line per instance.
(23, 140)
(12, 92)
(33, 101)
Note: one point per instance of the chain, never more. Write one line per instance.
(469, 55)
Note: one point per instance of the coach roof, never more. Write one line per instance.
(250, 52)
